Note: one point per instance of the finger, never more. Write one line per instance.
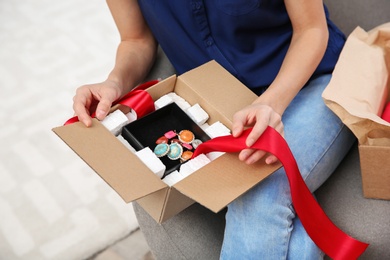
(238, 124)
(257, 130)
(81, 109)
(271, 159)
(251, 155)
(103, 108)
(106, 98)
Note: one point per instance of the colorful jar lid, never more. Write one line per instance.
(162, 140)
(170, 134)
(161, 149)
(175, 140)
(196, 143)
(175, 151)
(186, 156)
(187, 146)
(186, 136)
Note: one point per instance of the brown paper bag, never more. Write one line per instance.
(357, 93)
(360, 85)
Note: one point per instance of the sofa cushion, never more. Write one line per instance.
(342, 199)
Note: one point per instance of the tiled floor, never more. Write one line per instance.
(132, 247)
(52, 205)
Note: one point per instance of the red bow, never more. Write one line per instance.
(138, 99)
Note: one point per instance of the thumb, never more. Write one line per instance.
(238, 126)
(103, 108)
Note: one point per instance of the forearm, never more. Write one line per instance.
(304, 55)
(133, 61)
(137, 49)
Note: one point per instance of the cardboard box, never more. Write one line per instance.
(357, 93)
(145, 131)
(375, 167)
(213, 186)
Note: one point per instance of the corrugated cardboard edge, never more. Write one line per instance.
(215, 185)
(155, 203)
(218, 91)
(164, 204)
(111, 160)
(375, 168)
(163, 87)
(176, 203)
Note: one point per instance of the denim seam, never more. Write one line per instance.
(291, 216)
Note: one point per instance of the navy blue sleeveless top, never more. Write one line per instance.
(249, 38)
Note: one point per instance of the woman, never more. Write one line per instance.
(284, 51)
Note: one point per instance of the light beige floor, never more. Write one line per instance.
(52, 205)
(132, 247)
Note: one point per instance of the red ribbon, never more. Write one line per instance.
(137, 99)
(386, 113)
(328, 237)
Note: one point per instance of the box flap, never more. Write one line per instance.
(176, 202)
(163, 87)
(219, 92)
(118, 166)
(164, 204)
(216, 185)
(154, 203)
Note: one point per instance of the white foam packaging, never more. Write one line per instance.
(197, 114)
(148, 157)
(115, 121)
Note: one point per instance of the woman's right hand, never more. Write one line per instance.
(95, 98)
(135, 55)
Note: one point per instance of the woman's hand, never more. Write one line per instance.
(96, 98)
(260, 116)
(135, 56)
(308, 45)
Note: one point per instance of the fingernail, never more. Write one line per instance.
(87, 123)
(243, 156)
(235, 131)
(250, 161)
(269, 161)
(250, 142)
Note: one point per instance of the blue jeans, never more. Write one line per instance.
(262, 223)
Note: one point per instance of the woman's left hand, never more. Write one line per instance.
(260, 116)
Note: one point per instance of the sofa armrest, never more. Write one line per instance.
(347, 14)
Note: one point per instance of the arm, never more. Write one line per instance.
(308, 45)
(135, 56)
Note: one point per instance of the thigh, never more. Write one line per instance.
(261, 221)
(316, 136)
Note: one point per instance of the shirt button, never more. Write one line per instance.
(209, 43)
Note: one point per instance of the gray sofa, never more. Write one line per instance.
(341, 196)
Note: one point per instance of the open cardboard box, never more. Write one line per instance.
(213, 186)
(357, 93)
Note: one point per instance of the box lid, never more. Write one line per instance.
(104, 153)
(216, 90)
(219, 183)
